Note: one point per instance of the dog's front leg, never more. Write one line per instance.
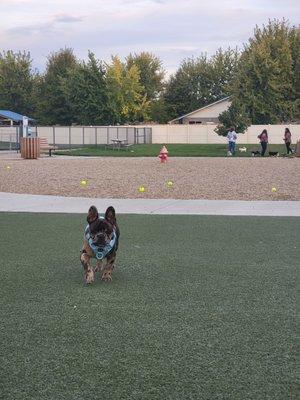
(87, 266)
(107, 270)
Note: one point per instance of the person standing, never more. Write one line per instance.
(232, 137)
(263, 137)
(288, 140)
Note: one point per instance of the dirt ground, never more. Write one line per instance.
(193, 178)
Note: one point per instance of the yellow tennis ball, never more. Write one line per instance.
(169, 183)
(141, 189)
(83, 182)
(8, 167)
(274, 189)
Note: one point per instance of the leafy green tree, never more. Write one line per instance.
(200, 81)
(235, 117)
(85, 91)
(223, 70)
(16, 82)
(126, 101)
(151, 73)
(152, 77)
(53, 107)
(267, 80)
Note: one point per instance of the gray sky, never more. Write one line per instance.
(171, 29)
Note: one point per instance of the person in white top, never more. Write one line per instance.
(232, 137)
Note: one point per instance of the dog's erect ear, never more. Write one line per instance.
(110, 214)
(108, 227)
(92, 214)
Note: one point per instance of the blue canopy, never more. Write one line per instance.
(13, 116)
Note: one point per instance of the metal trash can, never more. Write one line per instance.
(30, 148)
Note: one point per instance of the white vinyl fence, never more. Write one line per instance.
(78, 136)
(206, 134)
(161, 134)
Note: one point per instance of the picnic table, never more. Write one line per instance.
(118, 144)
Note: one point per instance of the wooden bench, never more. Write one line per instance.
(45, 146)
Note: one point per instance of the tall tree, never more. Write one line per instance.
(200, 81)
(152, 77)
(16, 82)
(267, 81)
(53, 107)
(126, 101)
(85, 91)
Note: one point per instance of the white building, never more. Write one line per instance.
(204, 115)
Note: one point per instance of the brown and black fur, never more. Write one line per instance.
(101, 231)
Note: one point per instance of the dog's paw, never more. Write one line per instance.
(106, 276)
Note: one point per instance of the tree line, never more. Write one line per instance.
(262, 80)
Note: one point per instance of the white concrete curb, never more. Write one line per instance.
(11, 202)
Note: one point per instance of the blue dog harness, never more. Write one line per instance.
(100, 251)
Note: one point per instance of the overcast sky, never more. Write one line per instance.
(171, 29)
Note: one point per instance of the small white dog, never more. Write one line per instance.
(243, 149)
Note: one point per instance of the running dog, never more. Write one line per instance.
(101, 237)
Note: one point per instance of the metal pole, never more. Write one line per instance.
(107, 134)
(69, 137)
(54, 135)
(17, 139)
(96, 136)
(83, 135)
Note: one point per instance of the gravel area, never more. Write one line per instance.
(193, 178)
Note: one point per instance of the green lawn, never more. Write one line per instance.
(201, 307)
(178, 150)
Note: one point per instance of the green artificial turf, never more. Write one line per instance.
(200, 307)
(175, 150)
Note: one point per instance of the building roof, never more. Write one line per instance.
(199, 109)
(13, 116)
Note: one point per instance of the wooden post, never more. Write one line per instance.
(297, 149)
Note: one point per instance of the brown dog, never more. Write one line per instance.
(101, 239)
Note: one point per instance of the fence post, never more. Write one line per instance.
(17, 139)
(107, 135)
(69, 137)
(83, 136)
(95, 136)
(54, 135)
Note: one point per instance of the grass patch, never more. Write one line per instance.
(200, 308)
(175, 150)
